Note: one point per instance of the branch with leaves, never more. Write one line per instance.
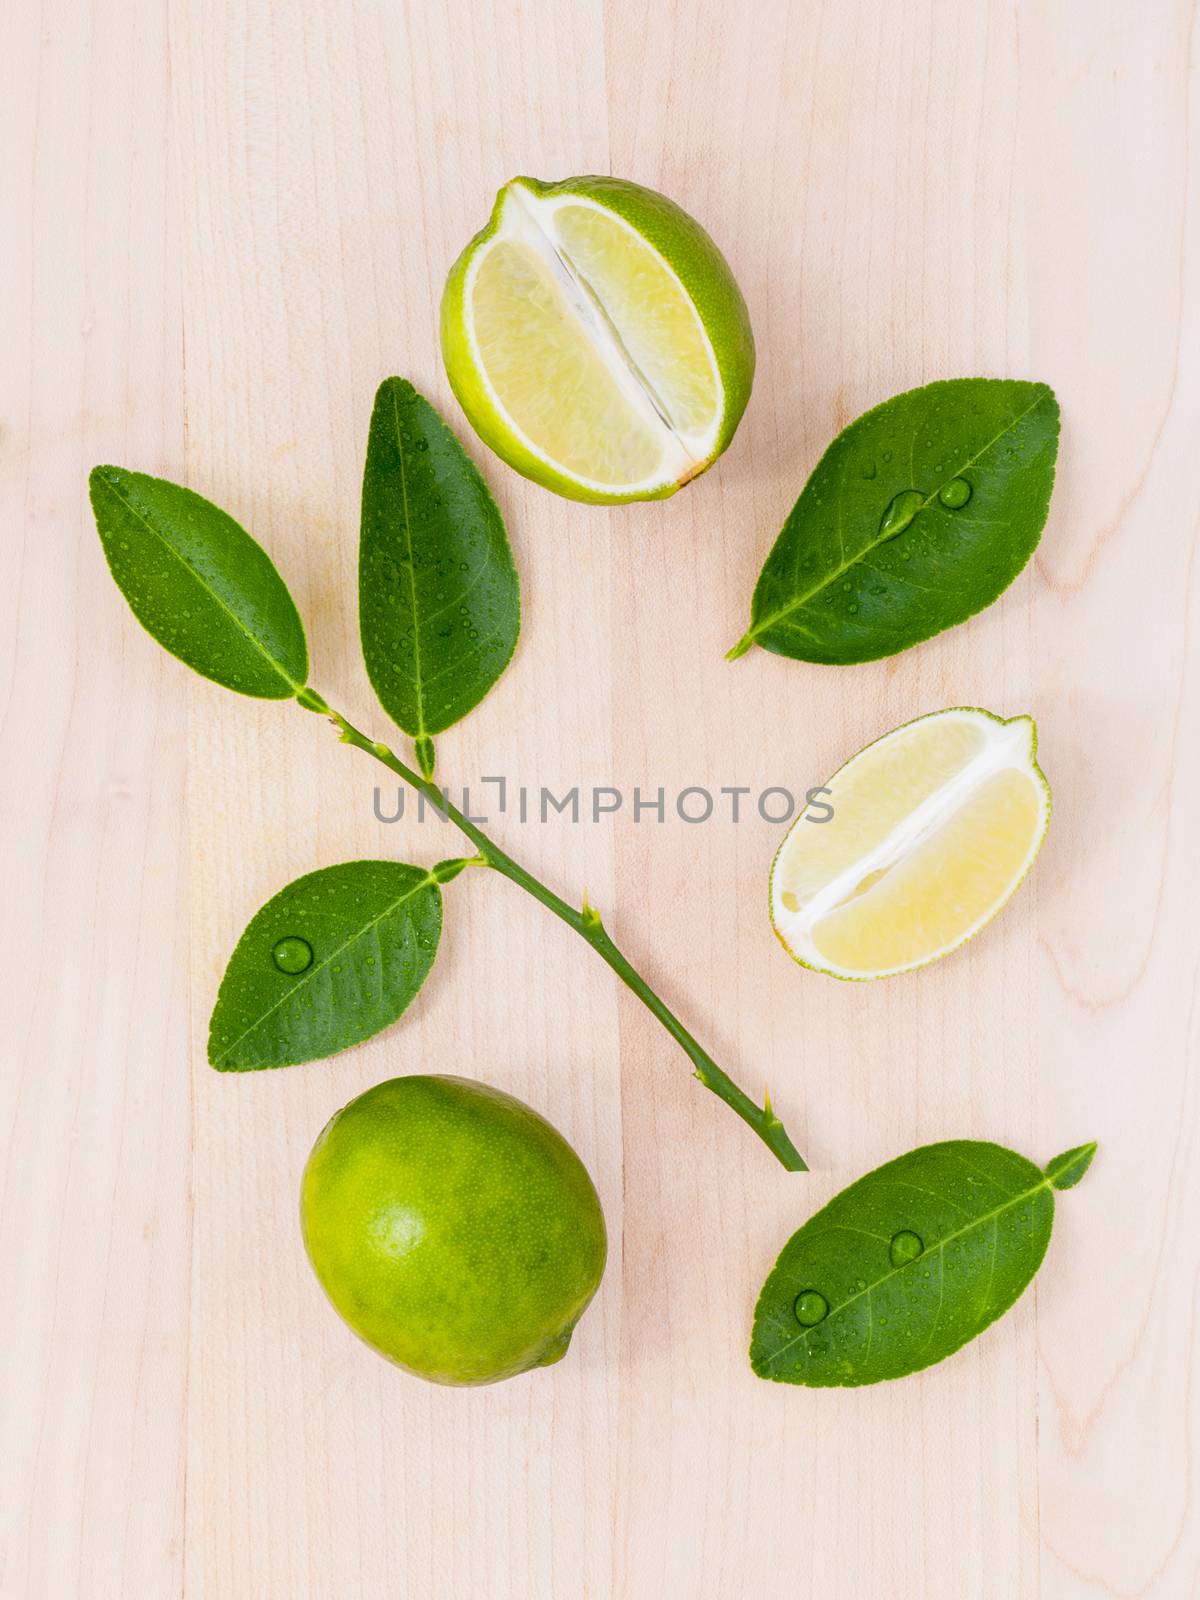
(340, 953)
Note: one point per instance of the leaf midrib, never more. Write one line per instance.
(208, 589)
(976, 1222)
(421, 730)
(831, 577)
(310, 973)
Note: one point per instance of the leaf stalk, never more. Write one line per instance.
(587, 923)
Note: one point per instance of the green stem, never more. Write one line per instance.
(587, 924)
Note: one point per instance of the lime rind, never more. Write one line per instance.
(783, 921)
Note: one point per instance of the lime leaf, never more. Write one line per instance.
(1066, 1170)
(920, 514)
(326, 963)
(905, 1266)
(439, 602)
(199, 583)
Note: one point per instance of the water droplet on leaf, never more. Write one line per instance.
(906, 1246)
(902, 509)
(954, 494)
(811, 1307)
(292, 954)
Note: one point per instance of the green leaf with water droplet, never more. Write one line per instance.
(438, 598)
(199, 583)
(911, 1262)
(372, 928)
(920, 514)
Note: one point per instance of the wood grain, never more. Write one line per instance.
(230, 224)
(95, 1216)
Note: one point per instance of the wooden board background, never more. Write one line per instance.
(223, 224)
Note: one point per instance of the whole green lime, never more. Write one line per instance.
(453, 1228)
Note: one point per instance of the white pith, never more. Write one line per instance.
(529, 219)
(1009, 745)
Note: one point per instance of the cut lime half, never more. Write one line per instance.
(934, 827)
(596, 339)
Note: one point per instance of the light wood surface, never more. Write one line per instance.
(223, 225)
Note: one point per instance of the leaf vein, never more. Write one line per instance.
(462, 593)
(453, 666)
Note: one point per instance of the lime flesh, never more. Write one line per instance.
(453, 1228)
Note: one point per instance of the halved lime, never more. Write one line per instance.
(934, 826)
(596, 339)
